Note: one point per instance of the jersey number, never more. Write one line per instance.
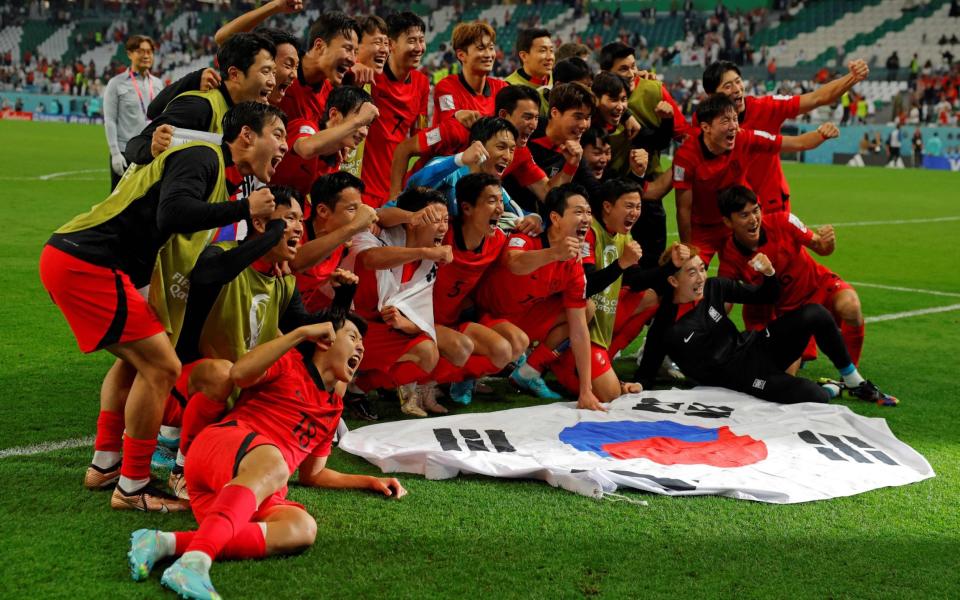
(399, 124)
(305, 430)
(456, 291)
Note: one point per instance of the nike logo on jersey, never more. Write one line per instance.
(687, 339)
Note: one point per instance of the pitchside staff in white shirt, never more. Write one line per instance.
(125, 102)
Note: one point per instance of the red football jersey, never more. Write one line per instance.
(300, 173)
(782, 238)
(311, 281)
(403, 110)
(696, 168)
(305, 101)
(452, 93)
(290, 406)
(504, 294)
(523, 168)
(455, 281)
(765, 176)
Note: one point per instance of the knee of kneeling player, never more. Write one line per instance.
(213, 380)
(850, 311)
(501, 353)
(427, 355)
(461, 351)
(163, 373)
(306, 528)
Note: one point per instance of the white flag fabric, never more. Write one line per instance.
(705, 441)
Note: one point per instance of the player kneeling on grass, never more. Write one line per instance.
(540, 287)
(617, 285)
(693, 327)
(397, 271)
(239, 468)
(783, 237)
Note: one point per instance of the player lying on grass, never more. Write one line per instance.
(783, 238)
(539, 286)
(470, 346)
(693, 327)
(94, 265)
(240, 467)
(231, 282)
(397, 271)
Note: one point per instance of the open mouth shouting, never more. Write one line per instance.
(343, 67)
(438, 240)
(629, 222)
(582, 230)
(493, 222)
(500, 167)
(354, 361)
(379, 61)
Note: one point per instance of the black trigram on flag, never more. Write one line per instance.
(845, 448)
(471, 439)
(695, 409)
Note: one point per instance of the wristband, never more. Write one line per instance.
(570, 169)
(458, 159)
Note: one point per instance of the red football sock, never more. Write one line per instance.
(248, 542)
(629, 330)
(200, 412)
(229, 514)
(109, 431)
(541, 358)
(136, 457)
(172, 412)
(406, 372)
(447, 372)
(853, 338)
(184, 539)
(479, 366)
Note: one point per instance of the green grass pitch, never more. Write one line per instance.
(492, 538)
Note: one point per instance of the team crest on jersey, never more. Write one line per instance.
(433, 136)
(446, 102)
(517, 243)
(714, 314)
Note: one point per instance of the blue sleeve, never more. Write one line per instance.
(435, 172)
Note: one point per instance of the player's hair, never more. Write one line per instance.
(346, 99)
(254, 115)
(613, 52)
(611, 191)
(610, 84)
(571, 69)
(283, 195)
(400, 23)
(713, 74)
(329, 26)
(470, 186)
(556, 200)
(371, 24)
(279, 36)
(241, 51)
(134, 41)
(326, 189)
(419, 197)
(734, 198)
(593, 135)
(466, 34)
(487, 127)
(572, 50)
(334, 315)
(511, 95)
(525, 37)
(570, 96)
(714, 106)
(666, 257)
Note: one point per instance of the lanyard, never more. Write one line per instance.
(133, 80)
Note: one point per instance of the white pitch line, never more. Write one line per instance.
(51, 176)
(912, 313)
(45, 447)
(897, 288)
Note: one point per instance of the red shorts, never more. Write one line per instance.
(829, 285)
(485, 320)
(101, 305)
(215, 456)
(384, 345)
(178, 397)
(565, 368)
(709, 239)
(539, 319)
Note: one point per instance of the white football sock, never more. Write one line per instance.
(105, 459)
(527, 372)
(132, 485)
